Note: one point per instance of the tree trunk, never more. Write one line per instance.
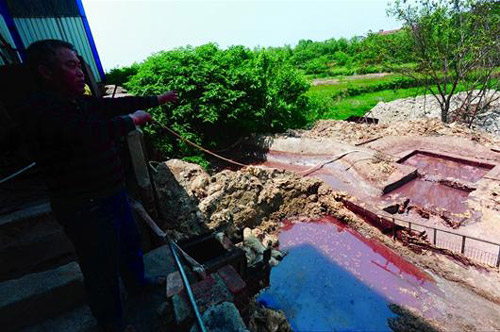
(444, 111)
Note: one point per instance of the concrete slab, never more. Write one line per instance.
(37, 297)
(32, 298)
(32, 241)
(79, 319)
(39, 209)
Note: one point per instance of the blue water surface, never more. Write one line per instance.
(317, 295)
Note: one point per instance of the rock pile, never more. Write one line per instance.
(255, 242)
(267, 320)
(427, 106)
(489, 121)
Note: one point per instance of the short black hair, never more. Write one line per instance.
(43, 52)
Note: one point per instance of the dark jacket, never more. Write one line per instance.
(74, 142)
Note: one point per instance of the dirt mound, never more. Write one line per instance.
(193, 201)
(178, 185)
(359, 133)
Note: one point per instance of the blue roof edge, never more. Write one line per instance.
(90, 38)
(4, 10)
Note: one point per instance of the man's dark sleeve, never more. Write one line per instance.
(75, 126)
(110, 107)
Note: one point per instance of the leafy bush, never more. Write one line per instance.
(223, 94)
(120, 76)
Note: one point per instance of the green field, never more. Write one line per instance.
(348, 81)
(357, 105)
(328, 105)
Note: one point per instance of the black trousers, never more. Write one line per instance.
(107, 243)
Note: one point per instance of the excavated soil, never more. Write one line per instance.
(361, 133)
(230, 201)
(261, 199)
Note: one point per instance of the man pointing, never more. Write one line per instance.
(73, 138)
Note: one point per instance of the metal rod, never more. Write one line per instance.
(17, 173)
(393, 228)
(171, 244)
(463, 244)
(114, 91)
(189, 291)
(498, 258)
(435, 235)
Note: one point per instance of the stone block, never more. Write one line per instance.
(221, 318)
(34, 297)
(232, 279)
(174, 284)
(182, 308)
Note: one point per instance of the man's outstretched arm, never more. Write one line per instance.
(119, 106)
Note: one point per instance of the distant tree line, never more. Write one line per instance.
(332, 57)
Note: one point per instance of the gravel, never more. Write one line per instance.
(414, 108)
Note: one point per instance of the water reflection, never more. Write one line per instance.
(334, 279)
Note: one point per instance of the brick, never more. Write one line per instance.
(232, 279)
(174, 284)
(211, 291)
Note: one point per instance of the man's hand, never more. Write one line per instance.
(140, 117)
(167, 97)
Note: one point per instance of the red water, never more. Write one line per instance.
(444, 167)
(348, 268)
(432, 195)
(332, 173)
(363, 246)
(426, 194)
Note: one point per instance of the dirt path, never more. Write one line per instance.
(334, 81)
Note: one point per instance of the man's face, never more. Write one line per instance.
(65, 74)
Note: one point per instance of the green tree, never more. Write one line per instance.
(454, 42)
(223, 94)
(120, 76)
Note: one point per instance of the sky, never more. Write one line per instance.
(127, 31)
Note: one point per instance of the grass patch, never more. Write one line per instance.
(359, 105)
(325, 107)
(326, 101)
(345, 82)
